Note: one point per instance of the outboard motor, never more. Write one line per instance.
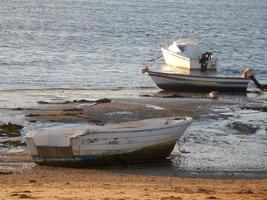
(205, 58)
(213, 61)
(248, 74)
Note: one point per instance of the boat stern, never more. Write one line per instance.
(54, 142)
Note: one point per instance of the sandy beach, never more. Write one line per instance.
(66, 183)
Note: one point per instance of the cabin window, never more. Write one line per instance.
(182, 48)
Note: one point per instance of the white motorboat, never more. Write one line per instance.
(186, 53)
(124, 143)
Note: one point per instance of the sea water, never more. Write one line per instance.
(104, 44)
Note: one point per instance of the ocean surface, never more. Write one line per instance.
(104, 44)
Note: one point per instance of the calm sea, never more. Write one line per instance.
(104, 44)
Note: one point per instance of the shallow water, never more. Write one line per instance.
(104, 44)
(214, 148)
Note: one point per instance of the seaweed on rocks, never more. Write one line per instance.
(243, 128)
(262, 108)
(10, 130)
(13, 143)
(104, 100)
(5, 172)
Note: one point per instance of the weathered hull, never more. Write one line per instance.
(179, 82)
(148, 154)
(125, 143)
(177, 60)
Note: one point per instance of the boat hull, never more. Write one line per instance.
(148, 154)
(180, 82)
(106, 147)
(177, 60)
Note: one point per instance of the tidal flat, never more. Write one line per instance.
(226, 143)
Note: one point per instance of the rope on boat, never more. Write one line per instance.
(151, 60)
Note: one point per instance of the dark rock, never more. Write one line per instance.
(173, 96)
(25, 196)
(42, 102)
(212, 197)
(13, 143)
(184, 151)
(145, 95)
(46, 102)
(262, 108)
(81, 101)
(104, 100)
(17, 108)
(243, 128)
(32, 115)
(5, 172)
(10, 130)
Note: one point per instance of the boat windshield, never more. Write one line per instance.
(192, 51)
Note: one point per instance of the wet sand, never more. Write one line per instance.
(119, 110)
(65, 183)
(21, 178)
(40, 182)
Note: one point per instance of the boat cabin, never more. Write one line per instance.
(187, 48)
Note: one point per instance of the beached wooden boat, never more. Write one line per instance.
(195, 83)
(124, 143)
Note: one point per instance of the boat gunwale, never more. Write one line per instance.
(128, 137)
(187, 120)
